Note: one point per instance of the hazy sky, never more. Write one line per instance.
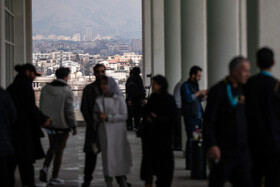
(107, 17)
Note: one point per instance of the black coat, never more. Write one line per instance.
(7, 119)
(157, 136)
(225, 125)
(138, 91)
(27, 129)
(263, 103)
(90, 94)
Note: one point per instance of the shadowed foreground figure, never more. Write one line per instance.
(27, 129)
(263, 104)
(157, 130)
(225, 128)
(7, 118)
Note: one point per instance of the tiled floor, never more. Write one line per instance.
(73, 163)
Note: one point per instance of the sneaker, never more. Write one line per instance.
(56, 181)
(43, 175)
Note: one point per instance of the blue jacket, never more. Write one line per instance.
(191, 106)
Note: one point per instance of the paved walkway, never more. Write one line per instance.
(73, 163)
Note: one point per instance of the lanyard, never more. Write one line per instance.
(233, 100)
(266, 73)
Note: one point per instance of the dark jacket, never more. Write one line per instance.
(225, 125)
(191, 107)
(27, 129)
(135, 88)
(157, 136)
(263, 103)
(7, 119)
(90, 94)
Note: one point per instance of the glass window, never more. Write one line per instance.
(9, 27)
(9, 5)
(9, 50)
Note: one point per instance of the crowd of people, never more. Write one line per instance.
(240, 125)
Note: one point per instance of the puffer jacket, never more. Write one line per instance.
(56, 101)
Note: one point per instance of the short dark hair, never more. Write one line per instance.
(162, 81)
(97, 66)
(62, 72)
(236, 62)
(265, 58)
(136, 71)
(194, 70)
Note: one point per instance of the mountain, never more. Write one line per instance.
(107, 17)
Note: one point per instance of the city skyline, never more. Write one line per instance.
(106, 17)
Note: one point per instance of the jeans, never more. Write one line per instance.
(190, 124)
(57, 145)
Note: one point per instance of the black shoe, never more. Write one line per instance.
(43, 175)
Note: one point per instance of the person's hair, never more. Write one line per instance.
(104, 78)
(265, 58)
(97, 66)
(194, 70)
(62, 72)
(162, 82)
(136, 71)
(236, 62)
(22, 68)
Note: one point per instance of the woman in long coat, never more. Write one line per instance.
(111, 114)
(158, 123)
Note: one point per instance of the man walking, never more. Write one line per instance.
(191, 107)
(225, 128)
(56, 101)
(263, 104)
(27, 129)
(90, 94)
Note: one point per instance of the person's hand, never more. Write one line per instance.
(74, 131)
(214, 153)
(150, 120)
(102, 116)
(47, 123)
(204, 92)
(154, 115)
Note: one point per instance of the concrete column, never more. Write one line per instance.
(194, 37)
(158, 55)
(2, 45)
(28, 30)
(263, 29)
(147, 39)
(225, 35)
(172, 42)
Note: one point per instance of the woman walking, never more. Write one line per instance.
(111, 114)
(159, 120)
